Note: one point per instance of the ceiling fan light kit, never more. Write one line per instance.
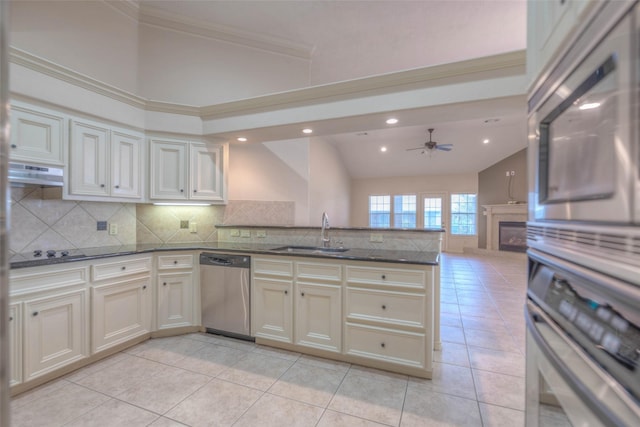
(431, 145)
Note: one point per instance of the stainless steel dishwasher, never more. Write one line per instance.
(225, 291)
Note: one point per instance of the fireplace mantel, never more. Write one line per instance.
(497, 213)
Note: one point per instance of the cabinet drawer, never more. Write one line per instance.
(44, 278)
(120, 268)
(175, 261)
(403, 348)
(319, 271)
(392, 307)
(272, 267)
(386, 276)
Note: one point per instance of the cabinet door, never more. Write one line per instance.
(206, 172)
(37, 136)
(15, 344)
(120, 311)
(88, 160)
(168, 165)
(318, 316)
(126, 165)
(175, 300)
(55, 332)
(272, 309)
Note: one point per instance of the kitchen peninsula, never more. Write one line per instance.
(370, 305)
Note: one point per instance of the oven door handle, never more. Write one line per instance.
(533, 316)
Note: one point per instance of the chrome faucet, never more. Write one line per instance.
(326, 241)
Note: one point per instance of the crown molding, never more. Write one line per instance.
(129, 8)
(510, 63)
(156, 17)
(44, 66)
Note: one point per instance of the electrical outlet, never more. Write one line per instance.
(113, 229)
(101, 226)
(245, 233)
(376, 238)
(507, 173)
(261, 234)
(193, 227)
(234, 232)
(184, 224)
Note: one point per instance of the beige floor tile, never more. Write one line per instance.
(276, 352)
(483, 323)
(231, 342)
(449, 308)
(427, 408)
(275, 411)
(509, 363)
(320, 362)
(97, 366)
(256, 371)
(494, 340)
(211, 359)
(448, 319)
(372, 399)
(120, 376)
(451, 334)
(447, 379)
(497, 416)
(166, 350)
(452, 353)
(378, 374)
(115, 413)
(308, 384)
(31, 396)
(166, 422)
(499, 389)
(337, 419)
(218, 403)
(163, 391)
(58, 408)
(479, 310)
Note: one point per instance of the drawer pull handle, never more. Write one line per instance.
(384, 307)
(382, 345)
(384, 277)
(35, 313)
(175, 262)
(286, 292)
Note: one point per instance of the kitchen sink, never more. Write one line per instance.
(308, 249)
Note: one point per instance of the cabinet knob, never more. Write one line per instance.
(286, 292)
(384, 307)
(144, 287)
(382, 345)
(164, 284)
(301, 293)
(101, 185)
(175, 262)
(10, 318)
(384, 276)
(35, 313)
(195, 191)
(117, 186)
(124, 267)
(182, 190)
(14, 146)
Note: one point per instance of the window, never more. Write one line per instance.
(432, 212)
(463, 214)
(380, 211)
(404, 211)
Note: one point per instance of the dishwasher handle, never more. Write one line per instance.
(213, 260)
(224, 260)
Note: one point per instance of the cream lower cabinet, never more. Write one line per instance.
(55, 332)
(175, 289)
(121, 298)
(272, 299)
(15, 344)
(318, 305)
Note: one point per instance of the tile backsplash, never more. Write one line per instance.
(41, 219)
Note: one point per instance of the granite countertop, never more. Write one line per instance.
(355, 254)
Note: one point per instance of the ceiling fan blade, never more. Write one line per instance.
(417, 148)
(444, 147)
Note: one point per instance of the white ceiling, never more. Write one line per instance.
(351, 39)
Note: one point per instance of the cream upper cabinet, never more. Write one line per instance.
(55, 332)
(105, 163)
(37, 135)
(168, 166)
(207, 172)
(183, 170)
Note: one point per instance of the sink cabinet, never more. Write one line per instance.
(272, 299)
(177, 290)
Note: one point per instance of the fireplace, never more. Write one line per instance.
(512, 236)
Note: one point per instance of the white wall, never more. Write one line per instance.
(329, 185)
(89, 37)
(186, 69)
(256, 173)
(361, 189)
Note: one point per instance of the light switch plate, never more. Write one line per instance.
(376, 238)
(261, 234)
(234, 232)
(193, 227)
(113, 229)
(245, 233)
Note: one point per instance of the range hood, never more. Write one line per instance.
(22, 174)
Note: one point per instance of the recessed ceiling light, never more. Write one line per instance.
(242, 139)
(383, 149)
(589, 105)
(307, 130)
(392, 121)
(485, 141)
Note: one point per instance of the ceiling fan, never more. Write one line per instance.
(432, 145)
